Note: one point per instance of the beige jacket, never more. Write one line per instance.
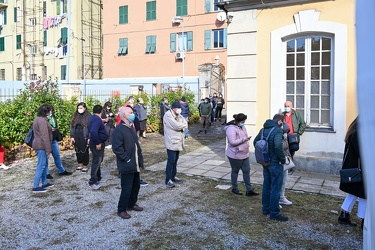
(174, 126)
(42, 134)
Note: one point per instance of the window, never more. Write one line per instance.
(19, 74)
(61, 7)
(2, 43)
(185, 41)
(181, 8)
(32, 21)
(123, 47)
(45, 38)
(15, 12)
(63, 72)
(64, 36)
(215, 39)
(2, 74)
(210, 5)
(34, 77)
(308, 78)
(44, 9)
(151, 10)
(19, 42)
(3, 17)
(123, 14)
(150, 44)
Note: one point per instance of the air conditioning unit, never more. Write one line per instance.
(180, 55)
(176, 19)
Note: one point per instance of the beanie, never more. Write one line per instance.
(176, 104)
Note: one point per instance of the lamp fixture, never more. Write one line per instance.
(229, 19)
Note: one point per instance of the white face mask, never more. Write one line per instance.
(178, 111)
(287, 109)
(81, 111)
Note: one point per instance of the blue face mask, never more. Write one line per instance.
(241, 125)
(132, 117)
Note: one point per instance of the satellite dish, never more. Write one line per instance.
(221, 16)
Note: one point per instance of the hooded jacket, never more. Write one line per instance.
(238, 141)
(275, 145)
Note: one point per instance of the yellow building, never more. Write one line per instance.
(302, 51)
(39, 39)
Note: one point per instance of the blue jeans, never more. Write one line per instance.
(130, 184)
(41, 168)
(272, 181)
(171, 168)
(244, 165)
(187, 128)
(56, 157)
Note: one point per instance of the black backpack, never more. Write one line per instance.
(29, 138)
(261, 150)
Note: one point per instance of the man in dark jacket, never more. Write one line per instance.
(185, 110)
(129, 159)
(164, 107)
(273, 174)
(98, 136)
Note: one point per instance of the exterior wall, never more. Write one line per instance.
(254, 72)
(162, 63)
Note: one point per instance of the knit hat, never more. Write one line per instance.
(176, 104)
(183, 99)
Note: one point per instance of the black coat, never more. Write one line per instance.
(124, 145)
(352, 160)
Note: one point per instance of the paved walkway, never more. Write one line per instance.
(210, 161)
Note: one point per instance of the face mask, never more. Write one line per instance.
(178, 111)
(287, 109)
(108, 108)
(205, 101)
(81, 111)
(49, 115)
(241, 125)
(131, 101)
(132, 117)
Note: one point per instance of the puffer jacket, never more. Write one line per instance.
(42, 134)
(275, 145)
(174, 126)
(238, 141)
(185, 109)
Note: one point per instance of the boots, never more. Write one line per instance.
(344, 218)
(363, 221)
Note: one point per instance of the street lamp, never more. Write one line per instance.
(179, 19)
(84, 63)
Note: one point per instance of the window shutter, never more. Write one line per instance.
(5, 16)
(15, 14)
(45, 38)
(208, 6)
(225, 34)
(148, 44)
(172, 44)
(18, 42)
(126, 14)
(58, 7)
(153, 42)
(207, 39)
(65, 6)
(2, 43)
(148, 10)
(63, 72)
(153, 11)
(184, 7)
(178, 8)
(189, 40)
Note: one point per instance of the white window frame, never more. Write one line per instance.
(181, 42)
(2, 16)
(215, 8)
(217, 31)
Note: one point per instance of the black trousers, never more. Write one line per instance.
(130, 184)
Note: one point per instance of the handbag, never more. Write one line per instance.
(288, 163)
(59, 136)
(351, 175)
(293, 138)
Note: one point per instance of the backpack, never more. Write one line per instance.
(29, 138)
(261, 150)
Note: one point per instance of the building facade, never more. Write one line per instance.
(57, 38)
(165, 44)
(302, 51)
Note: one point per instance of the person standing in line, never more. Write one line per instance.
(107, 117)
(238, 153)
(42, 144)
(129, 160)
(174, 125)
(185, 110)
(213, 104)
(283, 200)
(79, 135)
(141, 114)
(98, 136)
(164, 107)
(273, 174)
(219, 106)
(205, 110)
(356, 191)
(55, 145)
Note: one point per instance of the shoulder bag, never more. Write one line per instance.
(351, 175)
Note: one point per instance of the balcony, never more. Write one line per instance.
(3, 3)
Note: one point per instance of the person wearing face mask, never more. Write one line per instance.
(238, 153)
(219, 107)
(108, 116)
(129, 160)
(274, 173)
(174, 126)
(79, 135)
(141, 114)
(205, 110)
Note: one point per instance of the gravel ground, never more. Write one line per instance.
(194, 215)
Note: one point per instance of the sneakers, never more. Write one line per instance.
(47, 185)
(49, 177)
(79, 168)
(170, 184)
(65, 173)
(84, 170)
(281, 218)
(39, 190)
(95, 186)
(200, 131)
(2, 166)
(109, 146)
(177, 180)
(344, 218)
(143, 183)
(285, 201)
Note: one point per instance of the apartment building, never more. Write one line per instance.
(161, 44)
(57, 38)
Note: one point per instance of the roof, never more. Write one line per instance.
(239, 5)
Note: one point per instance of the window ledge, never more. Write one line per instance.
(320, 130)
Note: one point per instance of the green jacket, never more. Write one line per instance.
(205, 109)
(299, 124)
